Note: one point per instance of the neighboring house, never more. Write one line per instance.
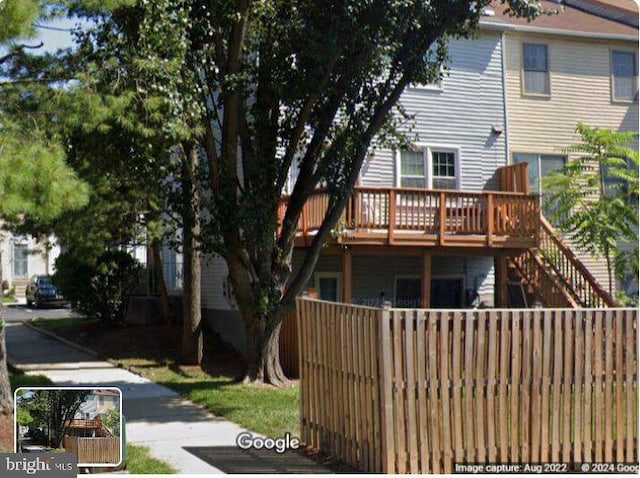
(98, 403)
(23, 257)
(453, 221)
(565, 69)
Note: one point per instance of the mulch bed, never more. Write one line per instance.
(159, 343)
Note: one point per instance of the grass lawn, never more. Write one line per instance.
(22, 380)
(140, 462)
(8, 299)
(138, 459)
(151, 351)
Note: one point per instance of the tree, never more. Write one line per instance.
(112, 421)
(594, 197)
(53, 410)
(267, 84)
(34, 178)
(100, 289)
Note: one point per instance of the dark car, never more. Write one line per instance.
(41, 291)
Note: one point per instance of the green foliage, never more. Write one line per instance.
(259, 86)
(112, 421)
(140, 461)
(35, 181)
(51, 409)
(100, 288)
(17, 17)
(595, 196)
(23, 380)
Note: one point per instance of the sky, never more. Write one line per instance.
(55, 39)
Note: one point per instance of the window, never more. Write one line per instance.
(412, 170)
(444, 169)
(328, 285)
(535, 65)
(20, 260)
(440, 163)
(431, 58)
(540, 166)
(623, 75)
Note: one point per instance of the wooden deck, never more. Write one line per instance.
(420, 217)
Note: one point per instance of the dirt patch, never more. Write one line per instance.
(157, 343)
(6, 431)
(332, 464)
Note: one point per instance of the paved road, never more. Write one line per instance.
(20, 312)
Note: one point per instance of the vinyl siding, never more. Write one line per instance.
(580, 92)
(214, 273)
(459, 114)
(373, 276)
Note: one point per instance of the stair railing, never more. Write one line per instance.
(579, 281)
(552, 291)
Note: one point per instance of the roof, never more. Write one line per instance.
(112, 393)
(568, 21)
(628, 5)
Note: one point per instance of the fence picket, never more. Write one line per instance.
(419, 390)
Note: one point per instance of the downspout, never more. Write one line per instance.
(504, 97)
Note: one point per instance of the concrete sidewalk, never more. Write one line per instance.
(156, 416)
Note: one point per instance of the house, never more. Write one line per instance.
(25, 256)
(578, 66)
(88, 420)
(454, 221)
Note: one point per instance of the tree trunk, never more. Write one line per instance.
(192, 334)
(263, 350)
(168, 315)
(607, 254)
(6, 399)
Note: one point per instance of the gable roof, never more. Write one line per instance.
(568, 21)
(624, 11)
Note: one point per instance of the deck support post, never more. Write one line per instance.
(501, 290)
(426, 279)
(346, 276)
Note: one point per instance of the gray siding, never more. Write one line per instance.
(459, 114)
(373, 277)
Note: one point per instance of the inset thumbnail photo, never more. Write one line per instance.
(84, 421)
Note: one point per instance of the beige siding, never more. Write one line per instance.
(580, 92)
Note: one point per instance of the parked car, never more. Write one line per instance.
(40, 291)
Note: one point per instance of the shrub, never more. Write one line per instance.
(99, 289)
(5, 285)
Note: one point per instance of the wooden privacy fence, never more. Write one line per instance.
(402, 390)
(288, 341)
(94, 450)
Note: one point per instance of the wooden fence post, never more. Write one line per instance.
(386, 390)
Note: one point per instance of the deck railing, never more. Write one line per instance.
(437, 212)
(514, 178)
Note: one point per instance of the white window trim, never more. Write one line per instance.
(611, 76)
(427, 149)
(403, 276)
(523, 91)
(328, 275)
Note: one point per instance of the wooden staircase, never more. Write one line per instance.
(552, 274)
